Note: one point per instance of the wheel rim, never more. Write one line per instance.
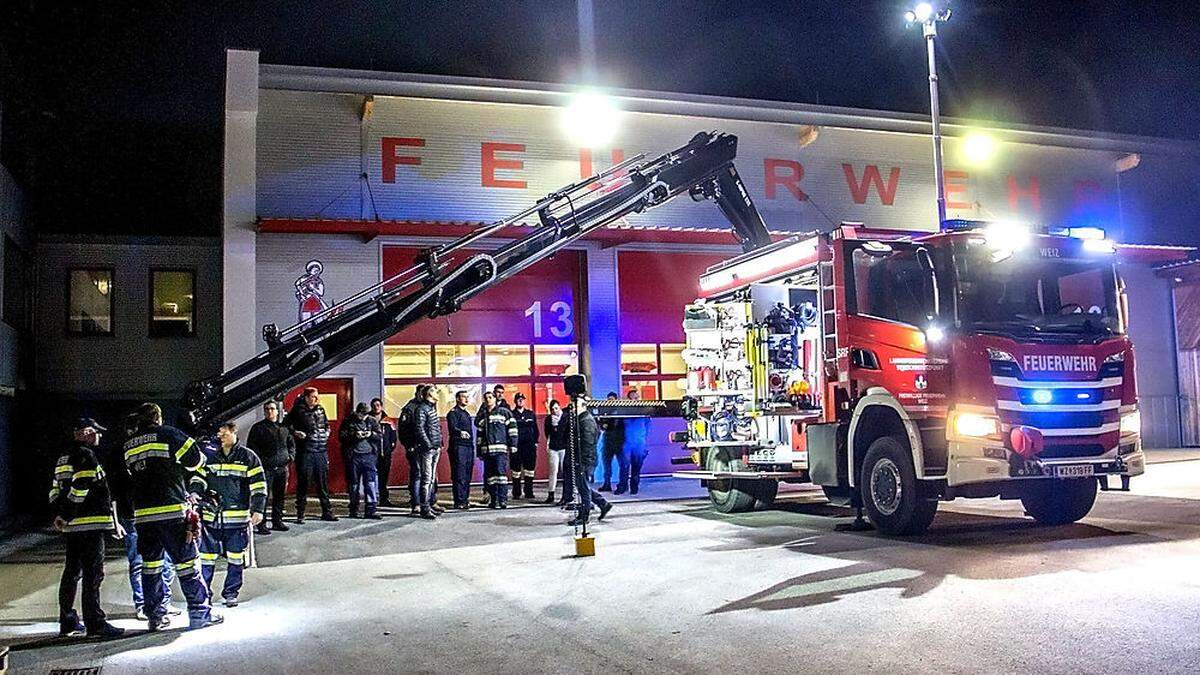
(886, 487)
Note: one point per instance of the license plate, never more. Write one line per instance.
(1074, 471)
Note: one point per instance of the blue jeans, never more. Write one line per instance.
(364, 475)
(135, 568)
(587, 496)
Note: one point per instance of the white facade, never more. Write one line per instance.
(365, 147)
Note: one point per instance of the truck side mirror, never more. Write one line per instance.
(926, 263)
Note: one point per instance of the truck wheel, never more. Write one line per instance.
(729, 495)
(1059, 501)
(764, 494)
(891, 494)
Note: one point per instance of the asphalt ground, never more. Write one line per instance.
(675, 587)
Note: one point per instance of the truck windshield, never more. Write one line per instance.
(1029, 294)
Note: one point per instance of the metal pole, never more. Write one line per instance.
(939, 179)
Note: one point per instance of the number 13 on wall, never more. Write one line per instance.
(563, 326)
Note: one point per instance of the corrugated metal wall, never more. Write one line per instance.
(312, 150)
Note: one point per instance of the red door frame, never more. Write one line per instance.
(343, 389)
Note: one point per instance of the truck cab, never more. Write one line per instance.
(897, 369)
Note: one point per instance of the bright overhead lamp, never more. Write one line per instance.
(978, 149)
(591, 119)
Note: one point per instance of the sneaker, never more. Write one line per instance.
(329, 517)
(68, 630)
(414, 511)
(437, 508)
(428, 515)
(604, 511)
(159, 623)
(262, 529)
(279, 526)
(231, 602)
(213, 620)
(504, 505)
(105, 630)
(140, 614)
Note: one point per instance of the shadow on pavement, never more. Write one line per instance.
(971, 546)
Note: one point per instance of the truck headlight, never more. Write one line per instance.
(976, 425)
(1131, 423)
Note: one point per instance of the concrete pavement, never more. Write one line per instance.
(677, 588)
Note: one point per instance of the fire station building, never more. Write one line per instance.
(335, 180)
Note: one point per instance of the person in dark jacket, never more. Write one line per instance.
(83, 513)
(387, 445)
(429, 441)
(360, 437)
(635, 449)
(495, 440)
(555, 428)
(462, 450)
(586, 433)
(276, 448)
(236, 483)
(406, 432)
(163, 463)
(614, 448)
(524, 460)
(310, 427)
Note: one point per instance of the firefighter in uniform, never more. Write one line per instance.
(495, 439)
(524, 460)
(162, 462)
(237, 488)
(83, 513)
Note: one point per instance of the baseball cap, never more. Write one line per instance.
(85, 422)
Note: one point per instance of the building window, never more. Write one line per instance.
(18, 287)
(654, 370)
(533, 370)
(90, 301)
(172, 303)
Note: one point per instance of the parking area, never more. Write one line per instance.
(677, 588)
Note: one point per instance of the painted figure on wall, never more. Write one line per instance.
(310, 291)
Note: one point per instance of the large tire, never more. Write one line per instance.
(732, 495)
(891, 494)
(1059, 501)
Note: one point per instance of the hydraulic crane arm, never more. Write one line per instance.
(446, 276)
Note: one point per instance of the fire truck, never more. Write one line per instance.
(899, 369)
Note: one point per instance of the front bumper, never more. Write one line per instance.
(987, 461)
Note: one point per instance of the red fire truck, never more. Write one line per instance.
(898, 369)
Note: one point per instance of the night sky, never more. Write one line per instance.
(113, 114)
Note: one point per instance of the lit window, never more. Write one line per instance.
(507, 360)
(406, 361)
(647, 388)
(639, 359)
(458, 360)
(555, 360)
(173, 308)
(672, 359)
(90, 302)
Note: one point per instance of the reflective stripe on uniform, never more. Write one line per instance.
(227, 515)
(208, 558)
(225, 469)
(159, 512)
(86, 473)
(497, 418)
(235, 557)
(527, 473)
(260, 486)
(147, 451)
(77, 495)
(89, 523)
(152, 566)
(187, 568)
(498, 480)
(64, 468)
(187, 445)
(254, 472)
